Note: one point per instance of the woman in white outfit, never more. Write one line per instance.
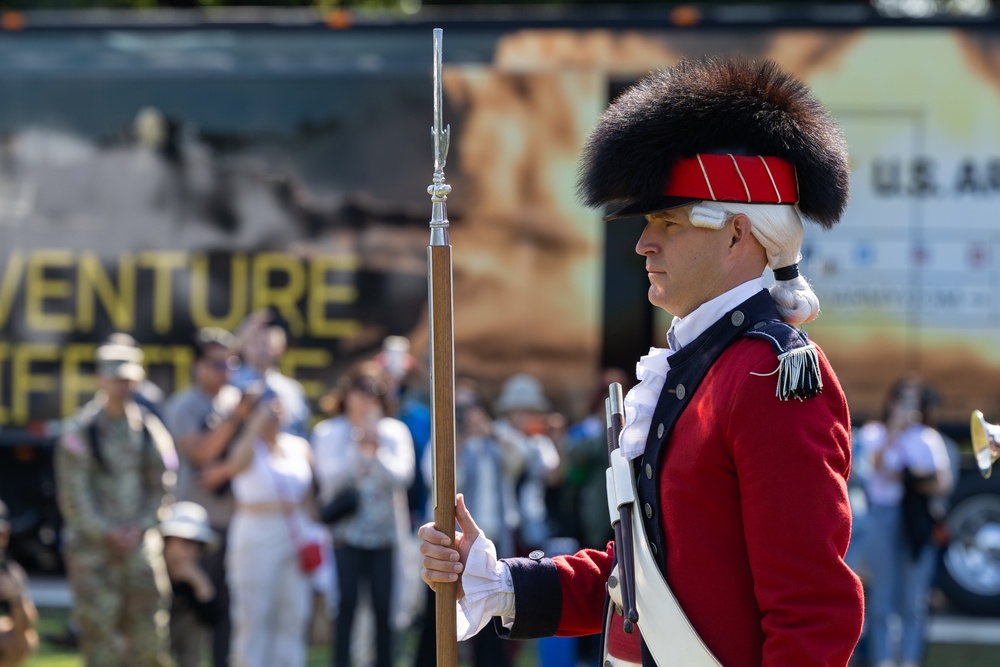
(271, 594)
(364, 448)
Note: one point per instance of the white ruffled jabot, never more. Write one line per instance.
(640, 401)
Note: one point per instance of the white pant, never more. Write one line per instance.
(271, 597)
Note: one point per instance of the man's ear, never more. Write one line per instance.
(739, 230)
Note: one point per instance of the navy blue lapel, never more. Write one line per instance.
(688, 366)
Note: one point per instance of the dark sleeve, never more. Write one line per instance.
(561, 596)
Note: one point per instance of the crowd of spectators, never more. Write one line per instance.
(273, 513)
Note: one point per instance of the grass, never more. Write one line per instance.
(53, 622)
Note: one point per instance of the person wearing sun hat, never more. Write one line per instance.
(737, 435)
(187, 536)
(521, 410)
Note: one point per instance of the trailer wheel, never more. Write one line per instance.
(970, 567)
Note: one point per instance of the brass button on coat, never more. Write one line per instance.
(649, 511)
(681, 392)
(649, 471)
(737, 318)
(659, 431)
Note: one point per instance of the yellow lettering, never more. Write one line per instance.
(178, 357)
(95, 284)
(8, 288)
(25, 382)
(163, 264)
(4, 415)
(321, 293)
(201, 293)
(40, 287)
(301, 357)
(283, 298)
(76, 384)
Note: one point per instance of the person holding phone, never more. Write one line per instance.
(908, 460)
(204, 419)
(270, 585)
(364, 447)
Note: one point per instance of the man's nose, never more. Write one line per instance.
(644, 246)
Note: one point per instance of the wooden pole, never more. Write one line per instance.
(442, 346)
(444, 442)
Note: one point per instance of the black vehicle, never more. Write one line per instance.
(27, 486)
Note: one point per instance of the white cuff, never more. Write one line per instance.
(489, 590)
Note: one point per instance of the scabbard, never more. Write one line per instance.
(623, 526)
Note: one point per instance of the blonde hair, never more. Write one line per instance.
(778, 228)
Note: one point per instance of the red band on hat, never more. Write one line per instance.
(754, 179)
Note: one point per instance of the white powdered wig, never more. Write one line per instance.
(779, 229)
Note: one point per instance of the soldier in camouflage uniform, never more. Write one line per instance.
(113, 464)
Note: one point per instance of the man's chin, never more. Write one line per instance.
(656, 298)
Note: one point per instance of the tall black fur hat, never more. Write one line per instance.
(716, 108)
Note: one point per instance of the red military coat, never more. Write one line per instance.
(752, 503)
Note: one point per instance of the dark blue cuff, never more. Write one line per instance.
(537, 599)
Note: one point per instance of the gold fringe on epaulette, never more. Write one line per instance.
(798, 374)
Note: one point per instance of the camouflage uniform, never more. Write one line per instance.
(119, 483)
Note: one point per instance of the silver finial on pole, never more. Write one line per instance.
(439, 190)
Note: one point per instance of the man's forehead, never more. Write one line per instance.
(679, 214)
(217, 351)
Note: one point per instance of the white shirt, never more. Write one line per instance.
(651, 371)
(919, 448)
(275, 477)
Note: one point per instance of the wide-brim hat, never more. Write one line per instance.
(189, 521)
(521, 392)
(719, 129)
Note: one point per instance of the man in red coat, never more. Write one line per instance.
(737, 434)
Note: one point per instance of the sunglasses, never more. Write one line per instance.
(228, 364)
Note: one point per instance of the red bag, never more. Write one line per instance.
(310, 556)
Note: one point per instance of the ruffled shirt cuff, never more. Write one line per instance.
(640, 401)
(489, 590)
